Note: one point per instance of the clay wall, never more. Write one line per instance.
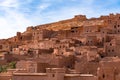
(80, 77)
(29, 76)
(5, 76)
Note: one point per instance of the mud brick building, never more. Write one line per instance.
(72, 49)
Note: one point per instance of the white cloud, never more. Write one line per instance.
(12, 23)
(43, 6)
(21, 16)
(9, 3)
(13, 19)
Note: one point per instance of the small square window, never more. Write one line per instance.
(113, 50)
(110, 44)
(103, 76)
(53, 75)
(108, 50)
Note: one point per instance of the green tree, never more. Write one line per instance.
(12, 65)
(1, 69)
(4, 68)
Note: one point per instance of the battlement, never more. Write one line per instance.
(30, 28)
(80, 17)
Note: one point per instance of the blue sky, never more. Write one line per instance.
(16, 15)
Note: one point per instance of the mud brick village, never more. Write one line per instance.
(72, 49)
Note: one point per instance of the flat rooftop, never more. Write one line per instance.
(82, 75)
(30, 74)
